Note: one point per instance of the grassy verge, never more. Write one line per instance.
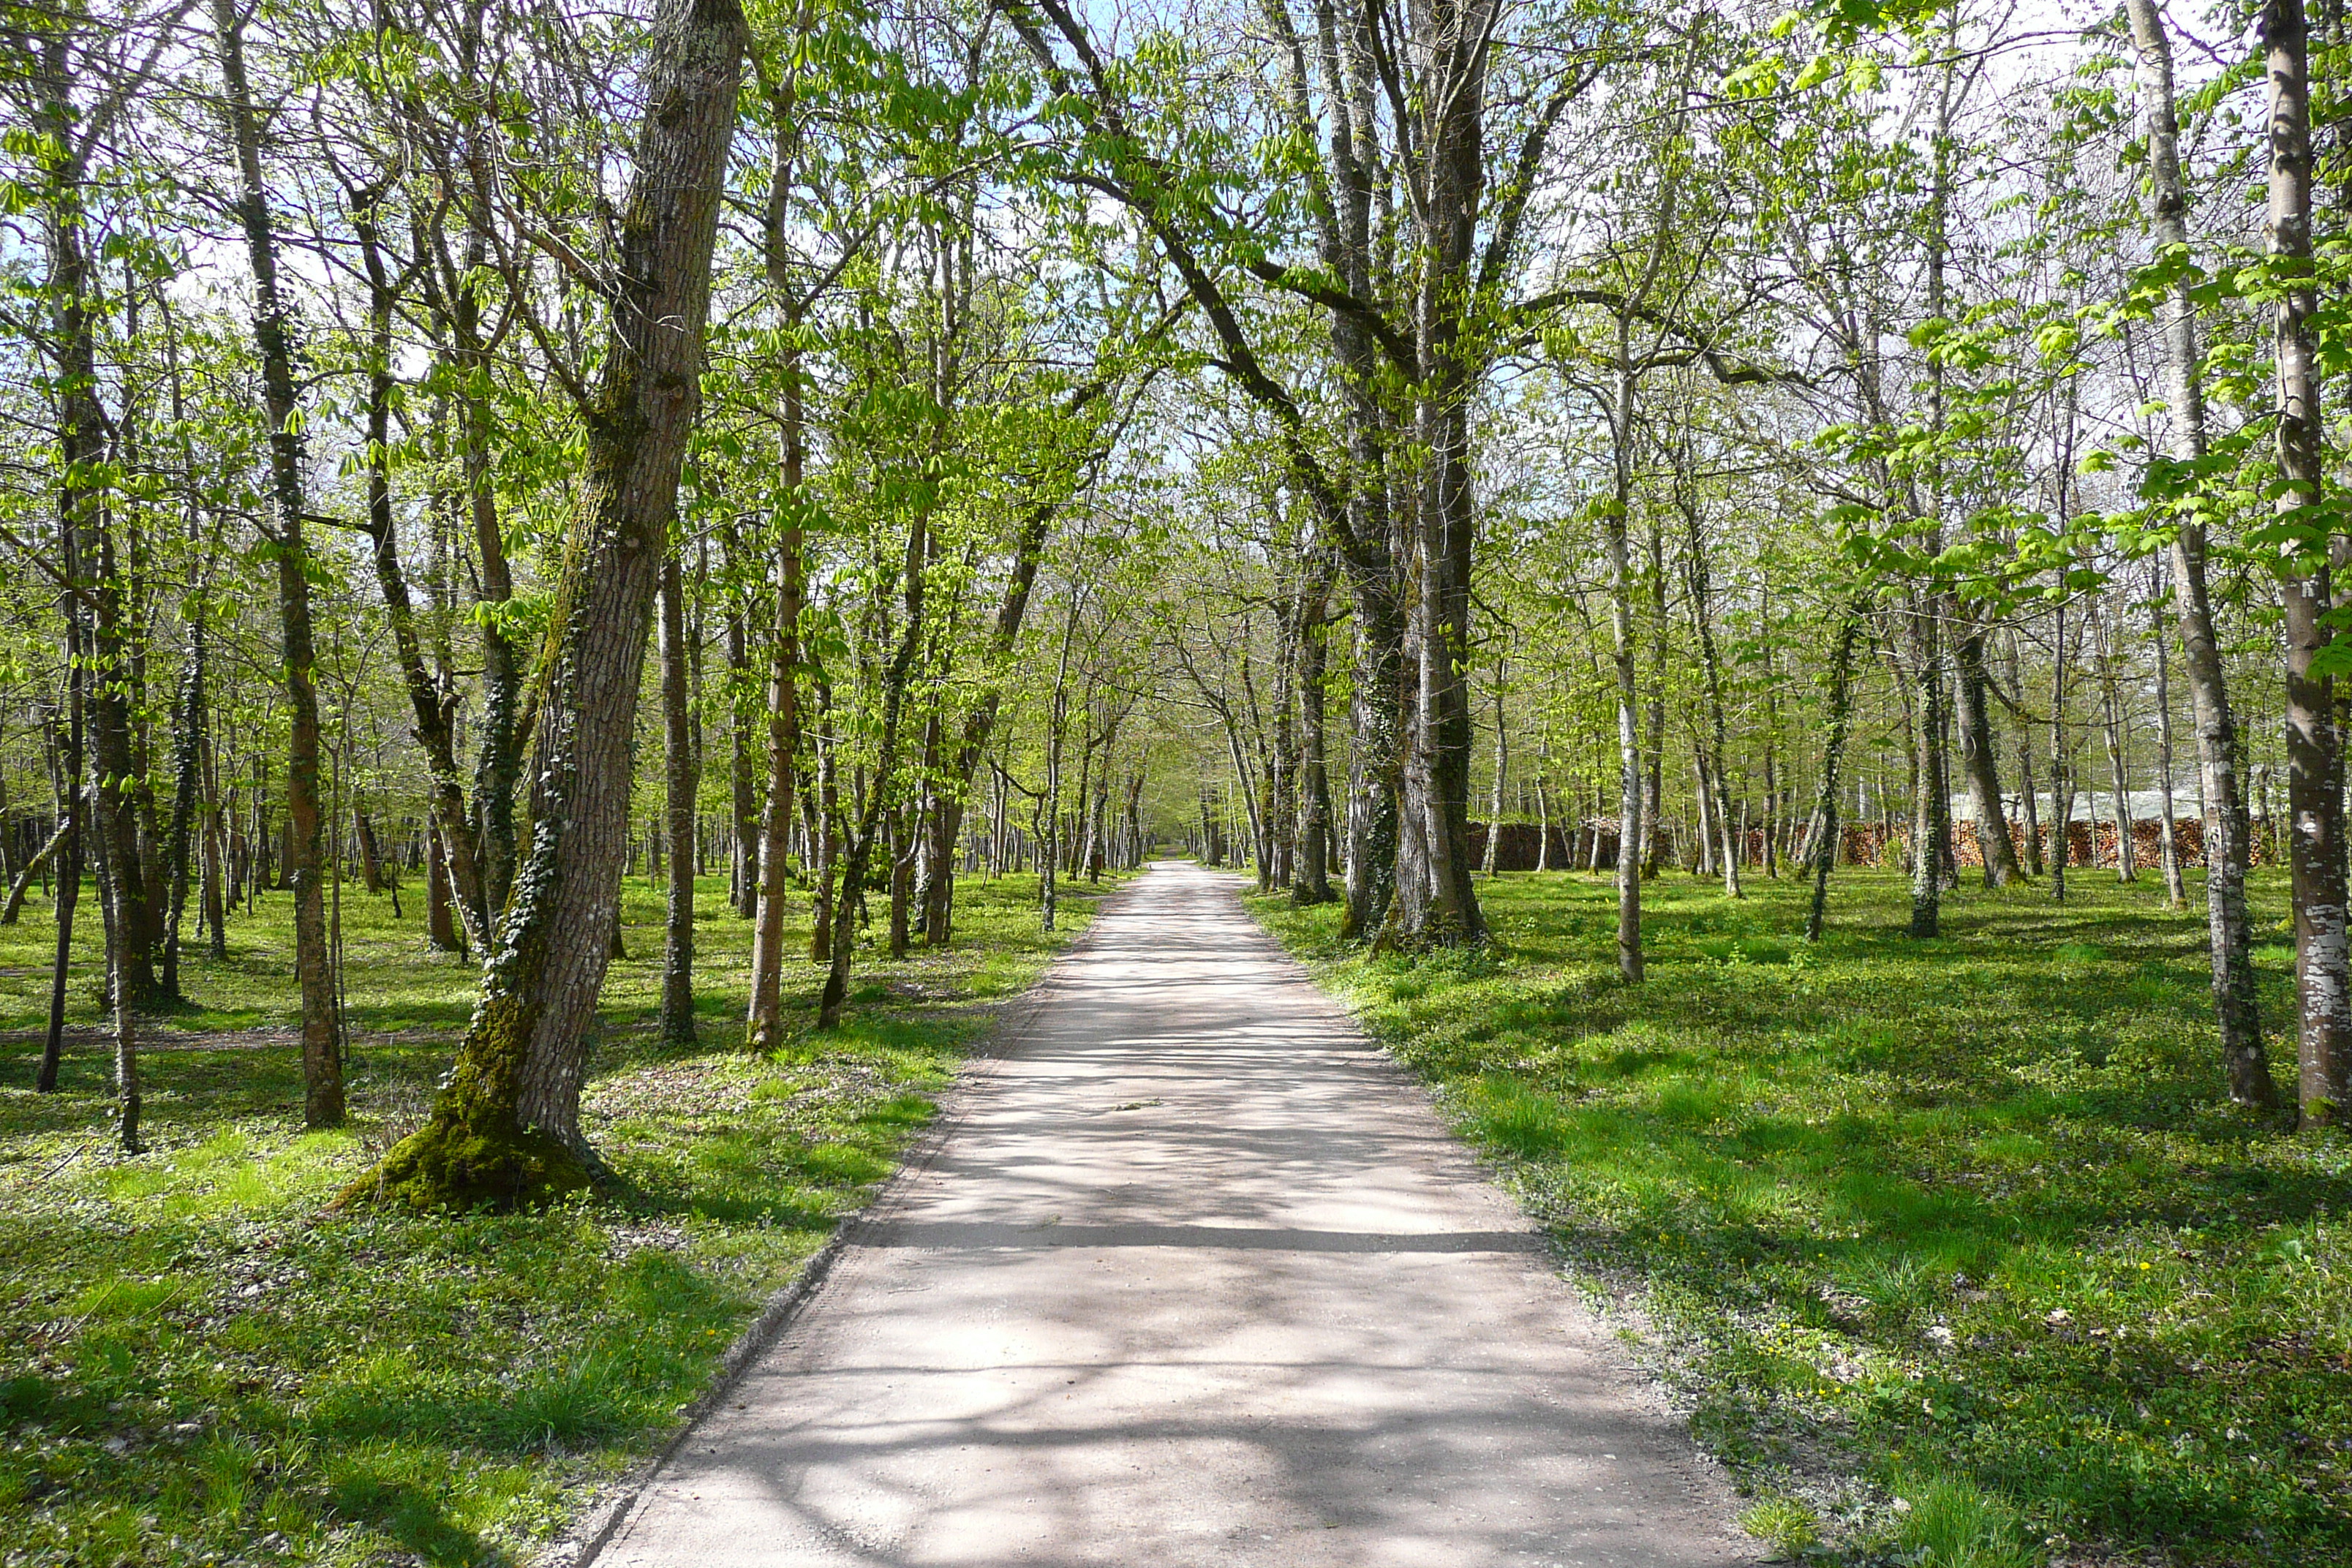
(195, 1367)
(1951, 1246)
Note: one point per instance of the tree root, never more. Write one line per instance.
(450, 1165)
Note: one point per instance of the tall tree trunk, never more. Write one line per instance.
(764, 1029)
(898, 823)
(1543, 808)
(215, 904)
(69, 858)
(1435, 903)
(1980, 758)
(1631, 829)
(97, 583)
(1375, 723)
(1714, 812)
(859, 854)
(501, 729)
(743, 870)
(440, 928)
(2315, 747)
(1930, 807)
(2062, 772)
(1826, 835)
(2175, 894)
(1311, 883)
(322, 1068)
(1502, 770)
(188, 756)
(1654, 786)
(2245, 1062)
(2111, 708)
(980, 723)
(506, 1129)
(2031, 810)
(679, 787)
(432, 705)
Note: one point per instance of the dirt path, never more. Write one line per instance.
(1194, 1277)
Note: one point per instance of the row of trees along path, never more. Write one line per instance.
(1011, 438)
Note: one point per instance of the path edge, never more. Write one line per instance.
(581, 1543)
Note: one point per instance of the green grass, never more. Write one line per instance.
(1952, 1247)
(197, 1366)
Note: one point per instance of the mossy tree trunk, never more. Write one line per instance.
(505, 1130)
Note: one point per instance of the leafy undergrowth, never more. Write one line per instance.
(1952, 1249)
(199, 1367)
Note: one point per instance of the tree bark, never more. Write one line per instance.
(1502, 770)
(1310, 882)
(680, 782)
(1981, 759)
(2061, 774)
(2313, 746)
(1701, 613)
(1826, 835)
(2031, 810)
(322, 1068)
(74, 811)
(2111, 708)
(432, 707)
(506, 1129)
(216, 907)
(2175, 894)
(33, 868)
(1630, 827)
(2245, 1062)
(1930, 807)
(766, 1022)
(743, 869)
(188, 754)
(440, 928)
(859, 853)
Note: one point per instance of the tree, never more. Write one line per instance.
(506, 1129)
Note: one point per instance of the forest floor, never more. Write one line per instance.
(1952, 1249)
(195, 1367)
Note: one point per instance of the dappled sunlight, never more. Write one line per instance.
(1195, 1276)
(1978, 1200)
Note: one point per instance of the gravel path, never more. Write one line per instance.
(1193, 1276)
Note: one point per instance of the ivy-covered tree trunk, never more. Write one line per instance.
(505, 1130)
